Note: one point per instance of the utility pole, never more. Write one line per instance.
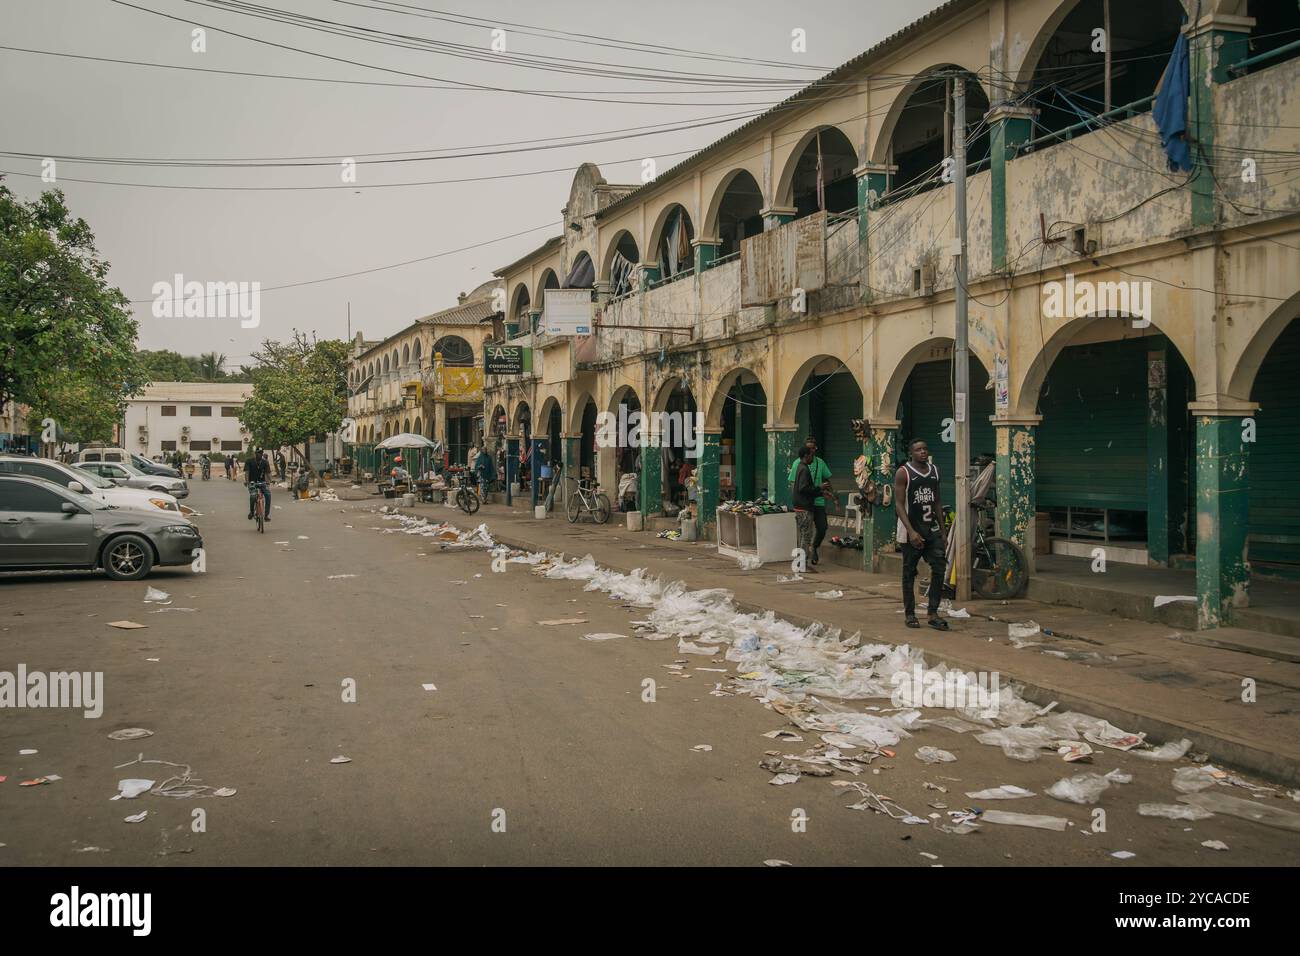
(961, 350)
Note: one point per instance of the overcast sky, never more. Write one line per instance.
(61, 106)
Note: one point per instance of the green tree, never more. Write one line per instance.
(299, 391)
(83, 409)
(165, 365)
(62, 326)
(211, 367)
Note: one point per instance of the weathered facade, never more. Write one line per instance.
(426, 379)
(799, 273)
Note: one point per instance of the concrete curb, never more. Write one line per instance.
(1242, 754)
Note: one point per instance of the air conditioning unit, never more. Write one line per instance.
(144, 439)
(185, 439)
(185, 429)
(142, 429)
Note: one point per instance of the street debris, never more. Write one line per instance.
(131, 788)
(1214, 844)
(933, 755)
(781, 779)
(786, 735)
(1244, 809)
(777, 863)
(130, 733)
(180, 785)
(602, 637)
(27, 752)
(1163, 599)
(153, 596)
(136, 818)
(702, 748)
(832, 595)
(126, 625)
(1005, 792)
(336, 577)
(340, 759)
(1037, 821)
(1173, 811)
(428, 687)
(1083, 788)
(558, 621)
(1123, 854)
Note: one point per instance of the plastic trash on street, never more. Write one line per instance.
(1082, 788)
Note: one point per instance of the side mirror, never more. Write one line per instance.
(70, 509)
(77, 487)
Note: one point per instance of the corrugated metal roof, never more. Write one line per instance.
(547, 246)
(817, 86)
(471, 313)
(214, 392)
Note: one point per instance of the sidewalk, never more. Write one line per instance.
(1140, 676)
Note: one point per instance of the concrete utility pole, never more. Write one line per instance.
(961, 351)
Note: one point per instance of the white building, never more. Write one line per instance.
(194, 417)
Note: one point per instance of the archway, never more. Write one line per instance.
(676, 427)
(1115, 451)
(671, 242)
(587, 452)
(582, 274)
(921, 137)
(823, 398)
(1274, 519)
(455, 351)
(740, 409)
(518, 317)
(821, 177)
(619, 265)
(1068, 82)
(736, 213)
(617, 456)
(549, 280)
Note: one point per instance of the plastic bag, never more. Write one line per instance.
(1173, 811)
(1193, 779)
(1245, 809)
(1005, 792)
(1034, 820)
(1082, 788)
(934, 755)
(1172, 750)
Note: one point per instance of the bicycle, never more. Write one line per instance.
(999, 570)
(584, 498)
(207, 470)
(258, 489)
(466, 497)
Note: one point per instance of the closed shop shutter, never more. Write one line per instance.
(841, 402)
(927, 401)
(1274, 458)
(1092, 443)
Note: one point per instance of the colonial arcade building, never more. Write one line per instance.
(1133, 343)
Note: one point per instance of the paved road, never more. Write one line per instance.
(529, 720)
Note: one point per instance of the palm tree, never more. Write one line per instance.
(212, 366)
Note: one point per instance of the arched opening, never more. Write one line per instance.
(823, 177)
(549, 280)
(519, 322)
(523, 428)
(455, 351)
(1069, 80)
(925, 410)
(739, 212)
(385, 364)
(620, 267)
(416, 354)
(673, 248)
(824, 405)
(922, 137)
(742, 459)
(1115, 452)
(619, 459)
(582, 274)
(419, 426)
(406, 355)
(587, 452)
(680, 442)
(1274, 544)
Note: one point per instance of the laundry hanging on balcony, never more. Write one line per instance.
(622, 274)
(582, 275)
(1170, 109)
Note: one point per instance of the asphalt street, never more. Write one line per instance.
(533, 746)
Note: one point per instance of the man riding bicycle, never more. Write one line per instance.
(256, 472)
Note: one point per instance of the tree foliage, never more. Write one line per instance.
(67, 338)
(299, 391)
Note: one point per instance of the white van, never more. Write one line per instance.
(118, 456)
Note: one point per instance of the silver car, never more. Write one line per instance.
(46, 527)
(129, 476)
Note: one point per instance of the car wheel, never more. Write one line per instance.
(127, 557)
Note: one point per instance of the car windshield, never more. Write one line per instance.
(89, 478)
(131, 470)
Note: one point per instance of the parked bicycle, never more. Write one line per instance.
(585, 498)
(999, 569)
(466, 497)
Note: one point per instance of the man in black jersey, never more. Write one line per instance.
(920, 530)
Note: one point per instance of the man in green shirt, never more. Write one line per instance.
(821, 476)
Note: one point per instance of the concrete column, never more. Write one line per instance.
(572, 462)
(650, 499)
(536, 456)
(878, 531)
(706, 250)
(649, 273)
(1215, 42)
(1009, 127)
(1222, 513)
(873, 183)
(777, 216)
(1015, 481)
(708, 475)
(534, 320)
(782, 442)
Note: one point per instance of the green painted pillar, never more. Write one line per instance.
(649, 274)
(1214, 44)
(534, 320)
(512, 329)
(782, 440)
(572, 458)
(652, 491)
(706, 250)
(873, 183)
(1009, 127)
(878, 531)
(776, 216)
(535, 457)
(707, 474)
(1015, 483)
(1222, 513)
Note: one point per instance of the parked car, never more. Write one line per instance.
(127, 476)
(65, 476)
(47, 527)
(123, 457)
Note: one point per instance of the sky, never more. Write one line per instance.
(70, 110)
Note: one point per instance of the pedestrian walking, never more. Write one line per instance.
(802, 498)
(920, 530)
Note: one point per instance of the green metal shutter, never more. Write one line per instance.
(841, 402)
(1274, 458)
(1092, 443)
(927, 401)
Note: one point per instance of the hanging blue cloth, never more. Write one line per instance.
(1170, 110)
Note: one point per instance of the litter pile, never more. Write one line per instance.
(447, 534)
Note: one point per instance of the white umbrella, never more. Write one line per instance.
(409, 440)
